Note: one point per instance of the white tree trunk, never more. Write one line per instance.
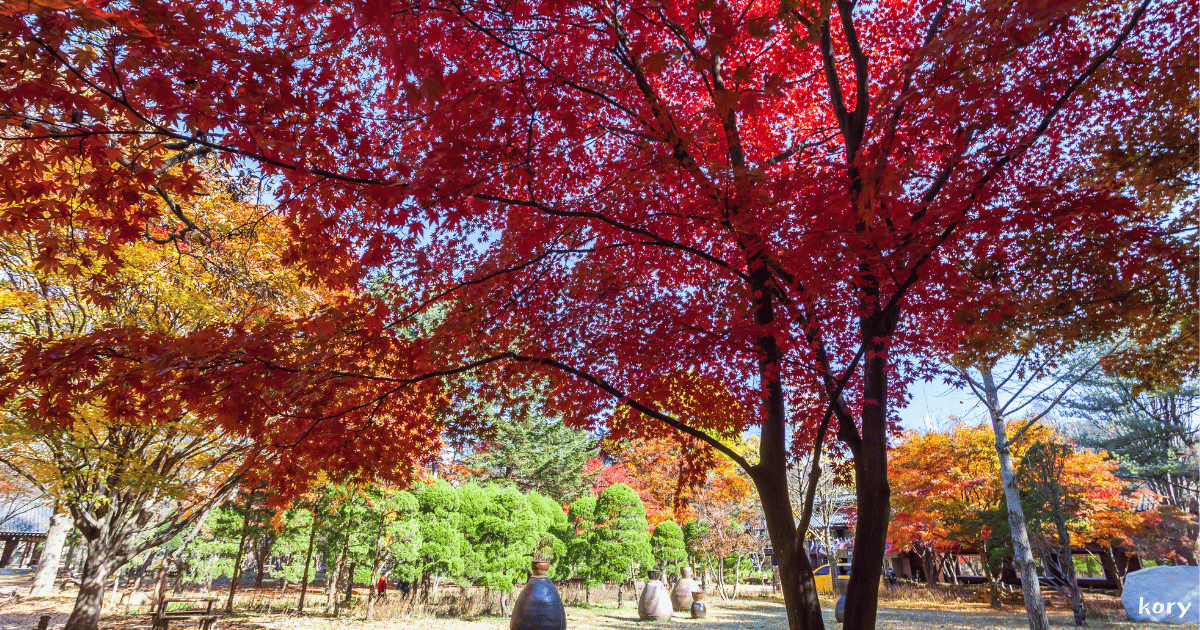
(1031, 589)
(47, 568)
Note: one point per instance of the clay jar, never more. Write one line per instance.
(681, 595)
(699, 610)
(655, 603)
(538, 607)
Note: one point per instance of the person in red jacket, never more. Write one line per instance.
(382, 585)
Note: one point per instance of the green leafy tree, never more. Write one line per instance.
(405, 541)
(620, 542)
(694, 533)
(1153, 435)
(668, 546)
(441, 548)
(581, 519)
(552, 523)
(504, 538)
(396, 534)
(347, 544)
(213, 552)
(296, 530)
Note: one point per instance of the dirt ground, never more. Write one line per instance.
(756, 613)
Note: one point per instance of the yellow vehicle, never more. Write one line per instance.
(825, 581)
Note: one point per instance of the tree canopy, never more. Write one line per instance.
(719, 214)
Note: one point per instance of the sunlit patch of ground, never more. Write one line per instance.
(931, 610)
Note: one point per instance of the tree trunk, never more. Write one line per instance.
(795, 572)
(160, 582)
(350, 582)
(86, 613)
(870, 475)
(950, 564)
(237, 564)
(331, 581)
(737, 576)
(312, 537)
(770, 474)
(929, 567)
(721, 579)
(1035, 608)
(376, 564)
(88, 604)
(73, 554)
(141, 574)
(264, 550)
(47, 568)
(993, 589)
(1067, 562)
(1108, 562)
(181, 571)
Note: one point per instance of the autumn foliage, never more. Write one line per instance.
(720, 215)
(947, 495)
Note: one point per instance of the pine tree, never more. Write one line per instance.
(538, 453)
(440, 552)
(552, 522)
(668, 547)
(620, 542)
(581, 519)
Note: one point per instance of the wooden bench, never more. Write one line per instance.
(203, 619)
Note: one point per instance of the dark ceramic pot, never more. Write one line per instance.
(538, 607)
(699, 610)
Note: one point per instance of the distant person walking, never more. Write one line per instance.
(382, 586)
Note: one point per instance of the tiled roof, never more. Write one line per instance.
(25, 517)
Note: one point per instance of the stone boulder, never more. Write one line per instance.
(1163, 594)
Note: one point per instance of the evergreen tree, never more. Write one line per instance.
(552, 523)
(212, 553)
(292, 544)
(441, 547)
(405, 538)
(346, 545)
(581, 519)
(668, 546)
(506, 534)
(620, 542)
(536, 453)
(391, 522)
(1153, 435)
(694, 533)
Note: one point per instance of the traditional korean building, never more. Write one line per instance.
(23, 526)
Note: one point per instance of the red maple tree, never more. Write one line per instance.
(720, 214)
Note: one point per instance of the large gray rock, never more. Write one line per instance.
(1163, 594)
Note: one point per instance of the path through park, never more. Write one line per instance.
(745, 614)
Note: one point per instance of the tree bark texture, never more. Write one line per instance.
(1031, 589)
(873, 492)
(263, 546)
(100, 563)
(331, 580)
(47, 568)
(237, 564)
(312, 537)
